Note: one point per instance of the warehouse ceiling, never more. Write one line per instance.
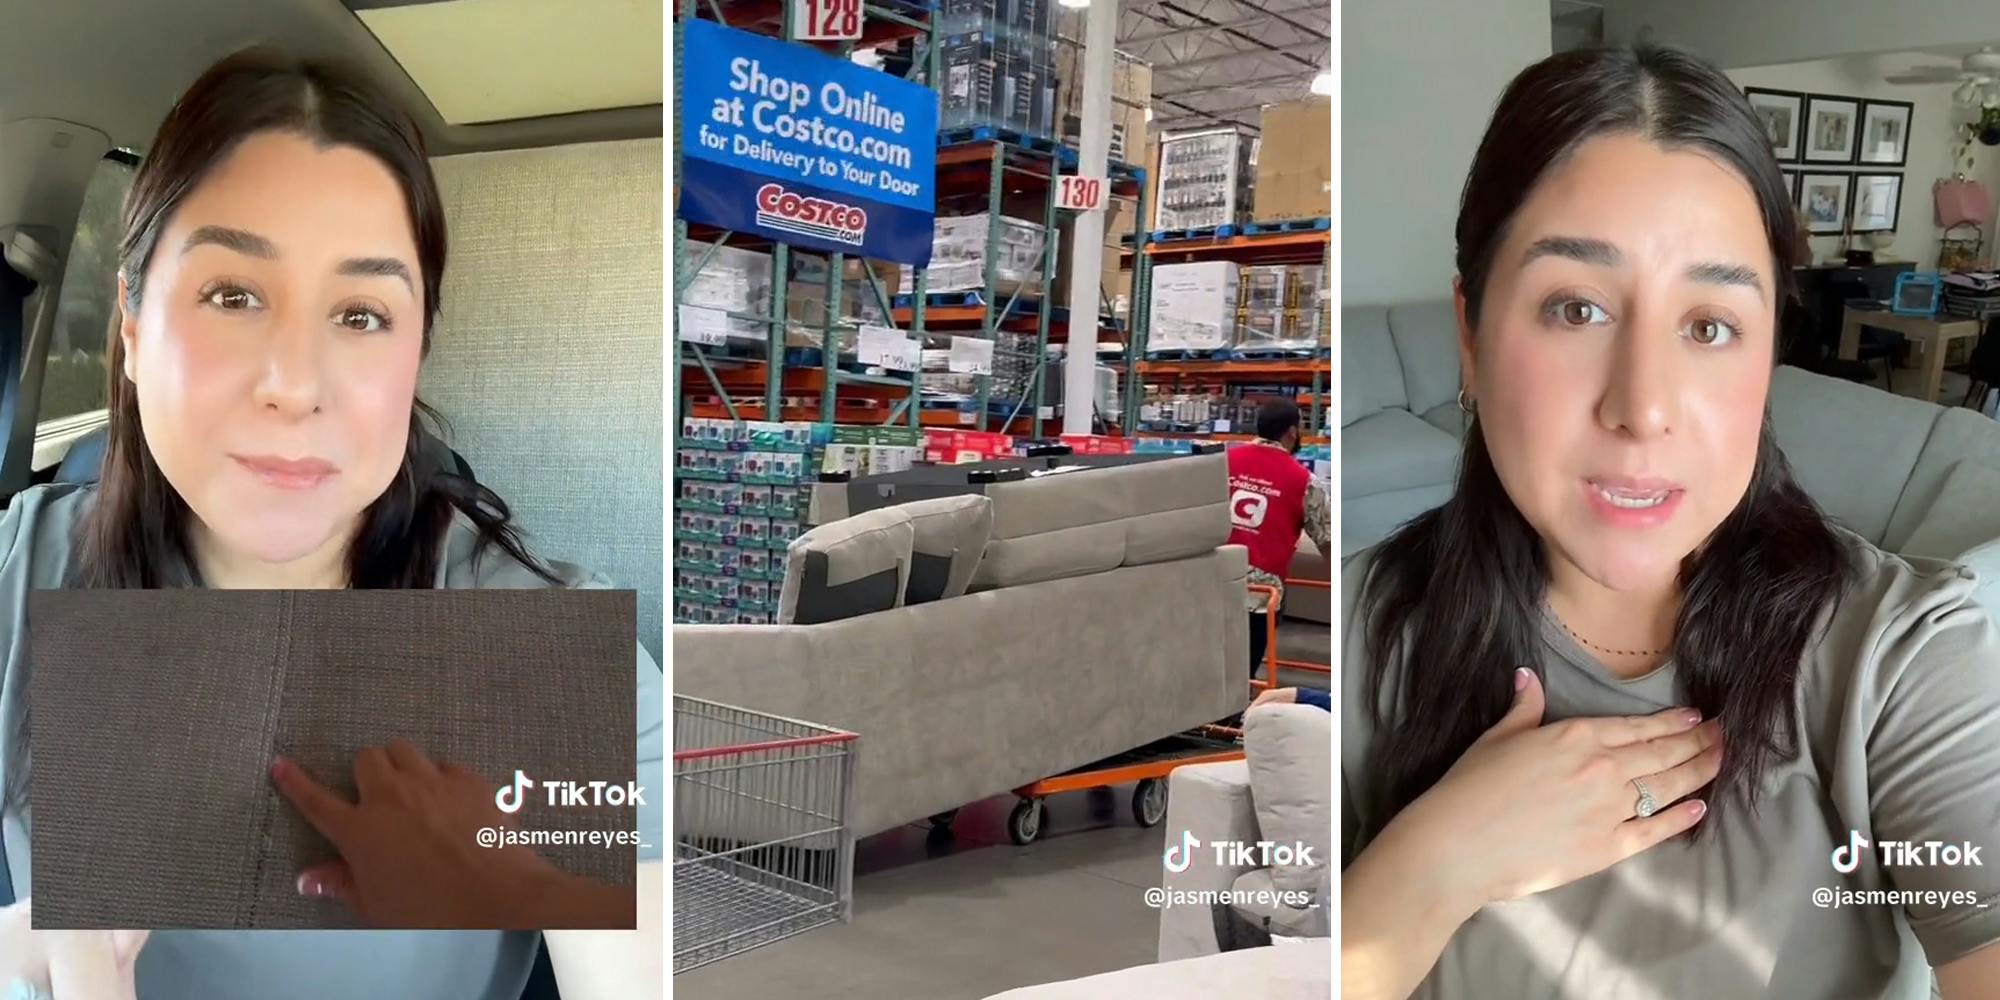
(1217, 61)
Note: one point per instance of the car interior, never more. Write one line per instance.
(544, 123)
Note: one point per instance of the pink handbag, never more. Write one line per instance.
(1961, 201)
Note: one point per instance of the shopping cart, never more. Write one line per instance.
(762, 849)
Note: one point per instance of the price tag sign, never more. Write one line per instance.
(971, 355)
(826, 20)
(1080, 194)
(702, 325)
(886, 346)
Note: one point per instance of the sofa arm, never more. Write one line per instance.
(1211, 802)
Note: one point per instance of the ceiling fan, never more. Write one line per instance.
(1977, 76)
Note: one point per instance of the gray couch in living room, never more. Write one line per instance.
(1021, 631)
(1915, 478)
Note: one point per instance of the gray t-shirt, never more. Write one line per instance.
(1899, 712)
(35, 535)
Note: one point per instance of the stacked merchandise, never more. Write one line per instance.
(1131, 91)
(1972, 295)
(1203, 180)
(1279, 308)
(872, 451)
(1295, 161)
(964, 447)
(743, 490)
(1013, 370)
(997, 59)
(1184, 412)
(1056, 380)
(735, 280)
(958, 254)
(806, 305)
(1193, 307)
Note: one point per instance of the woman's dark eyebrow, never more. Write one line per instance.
(242, 241)
(1598, 253)
(1715, 273)
(376, 267)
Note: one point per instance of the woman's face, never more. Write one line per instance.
(276, 346)
(1623, 356)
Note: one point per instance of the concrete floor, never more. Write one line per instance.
(973, 915)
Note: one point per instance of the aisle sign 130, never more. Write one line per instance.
(826, 20)
(1080, 194)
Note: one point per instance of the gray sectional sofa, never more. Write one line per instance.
(1102, 611)
(1912, 477)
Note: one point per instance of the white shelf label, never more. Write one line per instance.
(1080, 194)
(971, 356)
(702, 325)
(826, 20)
(886, 346)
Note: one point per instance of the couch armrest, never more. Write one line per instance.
(1212, 802)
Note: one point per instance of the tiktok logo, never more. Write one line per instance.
(509, 805)
(1851, 853)
(1178, 859)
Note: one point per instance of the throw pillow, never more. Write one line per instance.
(852, 567)
(948, 539)
(1289, 750)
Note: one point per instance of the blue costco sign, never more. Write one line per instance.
(794, 145)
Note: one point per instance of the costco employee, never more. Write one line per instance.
(1272, 498)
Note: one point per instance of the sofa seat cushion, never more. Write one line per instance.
(1448, 418)
(852, 567)
(1083, 521)
(1393, 450)
(1282, 971)
(948, 538)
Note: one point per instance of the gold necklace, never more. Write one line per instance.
(1597, 648)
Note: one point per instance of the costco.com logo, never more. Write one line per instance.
(782, 210)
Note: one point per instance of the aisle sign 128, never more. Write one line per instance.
(826, 20)
(1080, 194)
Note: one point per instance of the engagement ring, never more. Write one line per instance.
(1647, 806)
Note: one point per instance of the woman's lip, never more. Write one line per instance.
(1633, 485)
(288, 473)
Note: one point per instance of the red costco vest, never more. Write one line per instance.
(1267, 504)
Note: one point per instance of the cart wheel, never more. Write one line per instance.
(1024, 824)
(1149, 801)
(944, 820)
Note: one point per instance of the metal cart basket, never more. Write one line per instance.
(762, 849)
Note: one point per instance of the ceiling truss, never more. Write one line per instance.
(1219, 61)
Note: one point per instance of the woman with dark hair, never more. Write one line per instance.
(279, 277)
(1533, 804)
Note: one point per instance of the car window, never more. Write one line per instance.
(76, 379)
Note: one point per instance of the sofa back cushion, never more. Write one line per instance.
(1289, 749)
(1964, 516)
(1960, 436)
(948, 537)
(1426, 338)
(1371, 377)
(1852, 447)
(849, 568)
(1083, 521)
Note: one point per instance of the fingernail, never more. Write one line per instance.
(1520, 678)
(1692, 715)
(308, 886)
(279, 767)
(1699, 808)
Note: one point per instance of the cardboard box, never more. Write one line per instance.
(1295, 162)
(1194, 306)
(1203, 178)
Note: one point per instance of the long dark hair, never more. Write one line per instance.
(1455, 596)
(136, 532)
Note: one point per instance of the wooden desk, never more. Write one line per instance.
(1934, 334)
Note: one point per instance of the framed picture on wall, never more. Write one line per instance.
(1792, 183)
(1823, 200)
(1783, 115)
(1831, 127)
(1878, 200)
(1885, 133)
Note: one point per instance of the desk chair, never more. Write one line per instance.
(1984, 366)
(1886, 346)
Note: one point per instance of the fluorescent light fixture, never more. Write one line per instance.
(1074, 4)
(1323, 85)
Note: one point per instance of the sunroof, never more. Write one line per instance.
(496, 60)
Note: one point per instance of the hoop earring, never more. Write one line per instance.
(1465, 404)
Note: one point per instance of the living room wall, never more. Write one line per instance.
(1418, 84)
(1933, 142)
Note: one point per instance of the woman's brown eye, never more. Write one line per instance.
(1576, 313)
(234, 300)
(1706, 331)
